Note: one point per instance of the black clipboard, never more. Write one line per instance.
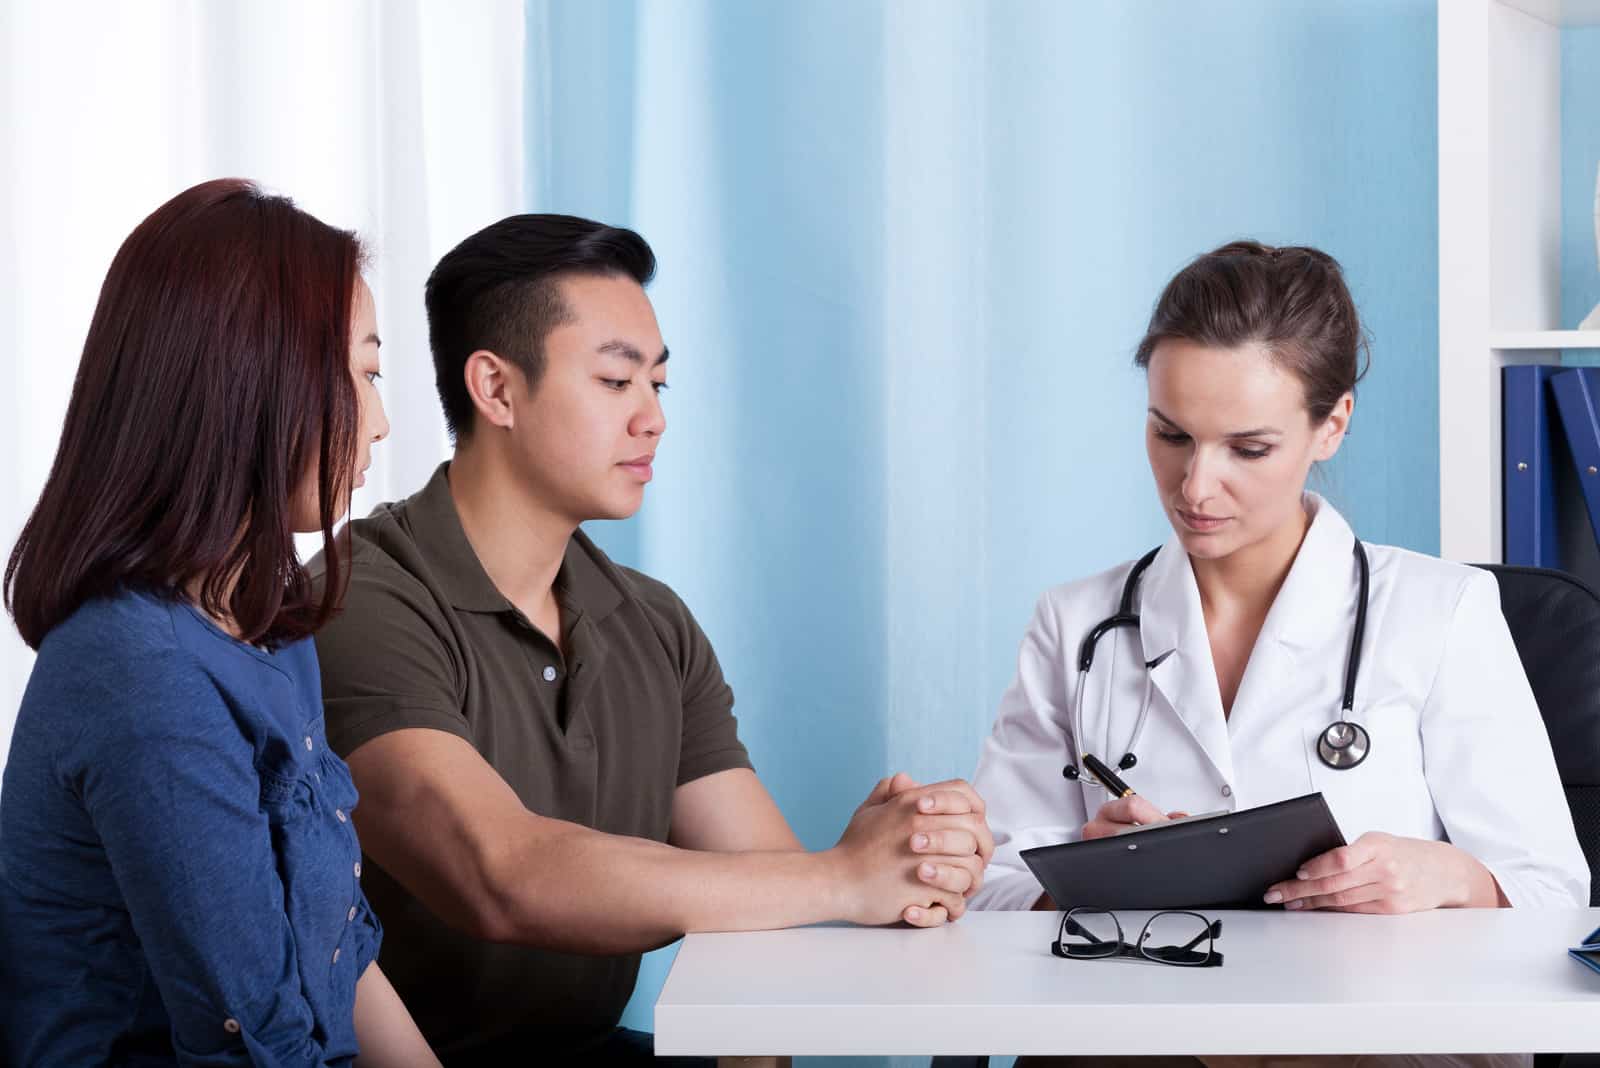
(1223, 861)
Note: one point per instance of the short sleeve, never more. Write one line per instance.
(388, 660)
(710, 741)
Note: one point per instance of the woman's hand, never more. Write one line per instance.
(1124, 812)
(1382, 873)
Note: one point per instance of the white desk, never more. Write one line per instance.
(1456, 981)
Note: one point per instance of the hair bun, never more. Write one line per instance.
(1291, 300)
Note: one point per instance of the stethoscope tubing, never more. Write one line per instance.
(1342, 745)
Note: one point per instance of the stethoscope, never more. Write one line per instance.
(1342, 745)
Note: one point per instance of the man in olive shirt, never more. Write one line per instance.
(550, 772)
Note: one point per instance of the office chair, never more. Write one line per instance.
(1555, 623)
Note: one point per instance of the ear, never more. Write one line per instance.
(489, 379)
(1330, 435)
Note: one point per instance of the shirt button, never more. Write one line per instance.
(351, 918)
(358, 869)
(231, 1026)
(336, 956)
(339, 814)
(549, 674)
(1227, 791)
(308, 743)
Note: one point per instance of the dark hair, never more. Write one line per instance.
(1292, 301)
(215, 376)
(498, 290)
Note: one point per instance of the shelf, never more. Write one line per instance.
(1560, 12)
(1545, 339)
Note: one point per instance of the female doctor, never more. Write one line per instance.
(1221, 694)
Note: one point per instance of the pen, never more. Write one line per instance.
(1107, 777)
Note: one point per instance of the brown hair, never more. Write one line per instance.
(215, 376)
(1292, 301)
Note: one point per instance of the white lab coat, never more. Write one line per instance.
(1459, 751)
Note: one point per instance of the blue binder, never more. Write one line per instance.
(1575, 394)
(1529, 476)
(1588, 954)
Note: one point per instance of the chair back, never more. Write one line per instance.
(1555, 622)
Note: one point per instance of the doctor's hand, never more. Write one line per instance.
(1124, 812)
(1383, 873)
(914, 853)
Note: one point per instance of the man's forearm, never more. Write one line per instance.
(584, 891)
(457, 838)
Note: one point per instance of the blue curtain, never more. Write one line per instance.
(907, 249)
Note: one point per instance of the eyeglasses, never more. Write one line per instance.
(1180, 938)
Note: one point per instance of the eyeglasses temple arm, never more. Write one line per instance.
(1212, 930)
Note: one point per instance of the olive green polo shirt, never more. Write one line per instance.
(601, 736)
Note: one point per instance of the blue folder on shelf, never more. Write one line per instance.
(1576, 392)
(1531, 531)
(1588, 954)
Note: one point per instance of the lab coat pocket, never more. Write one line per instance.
(1385, 792)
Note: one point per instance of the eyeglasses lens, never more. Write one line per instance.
(1182, 938)
(1090, 933)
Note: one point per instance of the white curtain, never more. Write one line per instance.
(402, 119)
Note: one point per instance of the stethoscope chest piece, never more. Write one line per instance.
(1344, 744)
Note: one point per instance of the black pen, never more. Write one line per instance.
(1107, 777)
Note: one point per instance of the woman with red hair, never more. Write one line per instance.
(179, 875)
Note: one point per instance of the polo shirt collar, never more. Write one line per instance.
(436, 525)
(583, 585)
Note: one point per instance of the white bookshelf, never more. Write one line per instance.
(1558, 12)
(1499, 239)
(1553, 341)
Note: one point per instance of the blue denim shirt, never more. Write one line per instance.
(179, 876)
